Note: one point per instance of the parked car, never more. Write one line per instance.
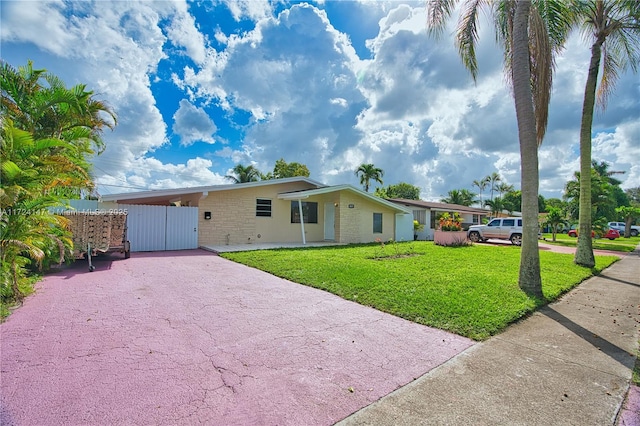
(503, 228)
(611, 234)
(620, 226)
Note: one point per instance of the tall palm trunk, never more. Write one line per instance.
(529, 278)
(584, 252)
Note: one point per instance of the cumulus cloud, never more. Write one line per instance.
(294, 75)
(193, 124)
(113, 47)
(293, 85)
(147, 173)
(182, 32)
(249, 9)
(27, 24)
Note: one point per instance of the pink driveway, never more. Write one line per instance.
(188, 337)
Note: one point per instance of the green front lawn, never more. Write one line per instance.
(619, 244)
(472, 291)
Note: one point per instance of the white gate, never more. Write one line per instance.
(182, 228)
(158, 228)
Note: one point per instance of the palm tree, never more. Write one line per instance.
(27, 231)
(367, 173)
(48, 132)
(462, 197)
(243, 174)
(41, 104)
(530, 36)
(492, 181)
(602, 168)
(503, 188)
(614, 27)
(554, 219)
(496, 205)
(481, 185)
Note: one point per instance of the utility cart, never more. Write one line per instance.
(98, 232)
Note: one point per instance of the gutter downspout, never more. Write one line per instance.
(304, 240)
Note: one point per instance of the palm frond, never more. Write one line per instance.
(541, 62)
(438, 12)
(467, 35)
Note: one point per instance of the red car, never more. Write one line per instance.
(611, 234)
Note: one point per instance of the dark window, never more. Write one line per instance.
(434, 219)
(494, 222)
(377, 223)
(263, 207)
(519, 222)
(309, 212)
(508, 222)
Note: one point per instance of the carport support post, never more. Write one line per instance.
(304, 240)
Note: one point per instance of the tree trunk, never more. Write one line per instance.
(584, 251)
(627, 226)
(529, 276)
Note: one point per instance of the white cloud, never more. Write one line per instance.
(147, 173)
(182, 31)
(28, 22)
(621, 149)
(295, 88)
(249, 9)
(193, 124)
(113, 47)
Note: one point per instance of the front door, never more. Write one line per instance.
(329, 221)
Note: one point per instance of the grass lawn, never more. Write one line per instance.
(619, 244)
(472, 291)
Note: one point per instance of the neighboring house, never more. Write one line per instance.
(290, 210)
(427, 214)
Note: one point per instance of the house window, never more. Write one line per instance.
(434, 219)
(476, 219)
(309, 212)
(377, 223)
(263, 207)
(420, 216)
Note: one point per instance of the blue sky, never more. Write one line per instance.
(199, 87)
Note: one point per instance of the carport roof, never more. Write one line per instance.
(160, 195)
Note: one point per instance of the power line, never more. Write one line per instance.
(122, 186)
(143, 168)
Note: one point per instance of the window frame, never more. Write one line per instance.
(309, 212)
(381, 221)
(264, 204)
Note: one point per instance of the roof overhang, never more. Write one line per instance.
(440, 206)
(160, 195)
(304, 194)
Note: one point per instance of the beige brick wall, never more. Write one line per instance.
(233, 217)
(356, 224)
(234, 221)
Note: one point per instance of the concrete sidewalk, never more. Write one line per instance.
(568, 364)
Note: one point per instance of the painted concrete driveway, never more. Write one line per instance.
(191, 338)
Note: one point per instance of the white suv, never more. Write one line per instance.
(635, 230)
(504, 228)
